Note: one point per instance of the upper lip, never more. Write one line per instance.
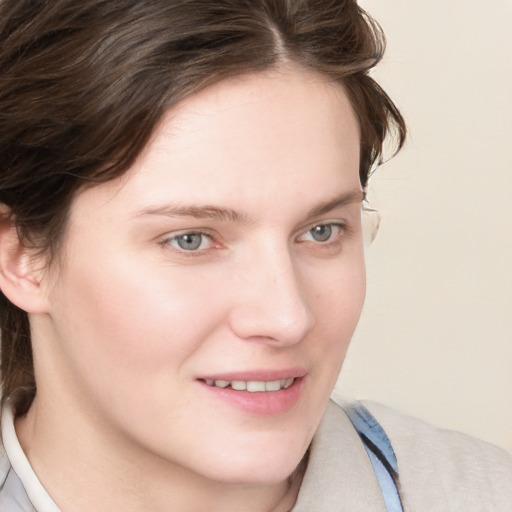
(266, 375)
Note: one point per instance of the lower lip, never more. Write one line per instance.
(266, 403)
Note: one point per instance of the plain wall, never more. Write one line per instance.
(435, 338)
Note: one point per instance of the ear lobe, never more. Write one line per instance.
(20, 280)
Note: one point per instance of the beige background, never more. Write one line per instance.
(435, 339)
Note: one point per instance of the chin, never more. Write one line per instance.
(263, 466)
(268, 474)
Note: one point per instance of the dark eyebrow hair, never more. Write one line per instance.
(229, 214)
(199, 212)
(354, 196)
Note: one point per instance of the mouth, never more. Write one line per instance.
(259, 393)
(253, 386)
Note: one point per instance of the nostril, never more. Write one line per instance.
(271, 304)
(270, 323)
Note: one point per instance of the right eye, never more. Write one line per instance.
(190, 241)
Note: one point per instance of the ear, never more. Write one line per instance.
(20, 277)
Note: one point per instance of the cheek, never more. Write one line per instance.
(121, 319)
(339, 291)
(337, 303)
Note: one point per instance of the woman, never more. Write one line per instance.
(181, 262)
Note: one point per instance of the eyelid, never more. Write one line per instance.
(341, 226)
(339, 229)
(166, 240)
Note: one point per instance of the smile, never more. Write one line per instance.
(258, 393)
(252, 386)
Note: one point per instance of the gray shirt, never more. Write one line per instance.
(439, 470)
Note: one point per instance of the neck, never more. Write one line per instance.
(84, 467)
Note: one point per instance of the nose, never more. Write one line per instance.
(271, 303)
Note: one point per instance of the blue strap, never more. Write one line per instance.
(381, 454)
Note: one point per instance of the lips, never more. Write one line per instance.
(259, 392)
(253, 386)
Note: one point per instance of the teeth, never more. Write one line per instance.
(254, 385)
(251, 385)
(274, 385)
(239, 385)
(288, 383)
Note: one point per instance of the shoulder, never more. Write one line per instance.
(9, 485)
(441, 469)
(13, 496)
(5, 465)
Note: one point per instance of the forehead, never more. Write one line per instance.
(274, 135)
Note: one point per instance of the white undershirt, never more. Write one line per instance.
(35, 491)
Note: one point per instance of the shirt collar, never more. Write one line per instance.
(36, 493)
(339, 473)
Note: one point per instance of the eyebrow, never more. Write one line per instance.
(232, 215)
(354, 196)
(198, 212)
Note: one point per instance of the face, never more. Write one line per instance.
(203, 303)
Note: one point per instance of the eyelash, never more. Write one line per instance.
(191, 252)
(335, 238)
(337, 229)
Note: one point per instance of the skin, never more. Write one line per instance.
(131, 321)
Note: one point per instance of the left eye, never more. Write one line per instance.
(321, 233)
(190, 241)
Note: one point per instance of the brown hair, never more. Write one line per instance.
(83, 84)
